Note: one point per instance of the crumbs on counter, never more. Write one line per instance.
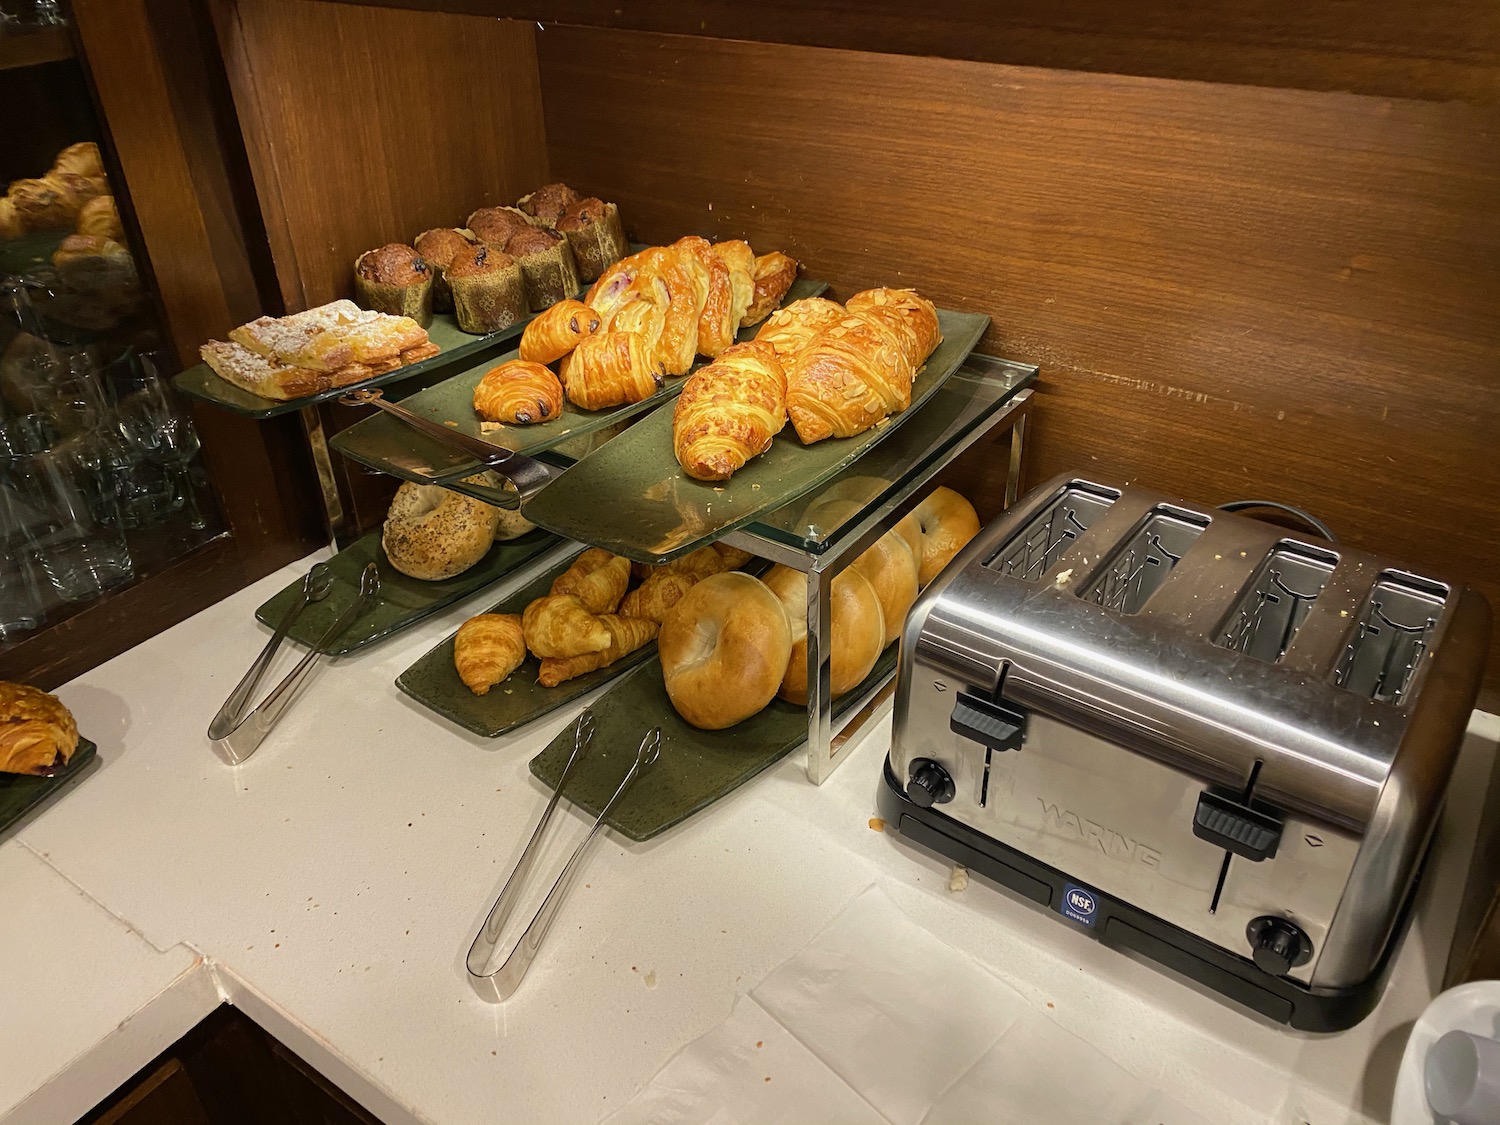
(958, 878)
(877, 823)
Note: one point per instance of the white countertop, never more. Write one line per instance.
(331, 886)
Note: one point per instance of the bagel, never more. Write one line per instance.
(433, 533)
(724, 650)
(891, 568)
(856, 632)
(944, 523)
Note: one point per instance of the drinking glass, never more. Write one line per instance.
(78, 537)
(177, 442)
(144, 418)
(20, 591)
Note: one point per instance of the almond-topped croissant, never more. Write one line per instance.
(518, 391)
(37, 733)
(608, 369)
(729, 411)
(773, 276)
(597, 578)
(906, 313)
(791, 329)
(561, 625)
(626, 634)
(488, 648)
(847, 379)
(555, 332)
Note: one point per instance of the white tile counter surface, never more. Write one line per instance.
(331, 886)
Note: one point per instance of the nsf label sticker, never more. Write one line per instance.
(1079, 904)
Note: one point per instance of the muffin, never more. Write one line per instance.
(548, 202)
(546, 264)
(100, 217)
(440, 247)
(595, 235)
(82, 158)
(395, 279)
(43, 204)
(489, 292)
(497, 225)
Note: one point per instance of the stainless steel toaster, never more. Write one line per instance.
(1205, 738)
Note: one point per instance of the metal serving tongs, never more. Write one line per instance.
(527, 474)
(499, 984)
(235, 734)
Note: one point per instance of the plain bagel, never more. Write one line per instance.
(937, 529)
(891, 568)
(433, 533)
(724, 650)
(856, 630)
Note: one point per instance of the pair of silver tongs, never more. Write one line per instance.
(237, 734)
(528, 475)
(500, 983)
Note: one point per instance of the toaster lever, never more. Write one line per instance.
(1232, 824)
(989, 723)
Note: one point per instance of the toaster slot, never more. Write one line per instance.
(1142, 562)
(1393, 632)
(1028, 553)
(1277, 601)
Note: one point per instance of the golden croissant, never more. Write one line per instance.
(597, 578)
(518, 391)
(716, 323)
(488, 648)
(729, 411)
(740, 259)
(905, 312)
(848, 378)
(625, 636)
(654, 598)
(37, 733)
(608, 369)
(773, 276)
(555, 332)
(561, 625)
(791, 329)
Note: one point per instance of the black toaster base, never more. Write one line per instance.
(1124, 926)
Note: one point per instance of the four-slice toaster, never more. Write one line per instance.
(1203, 737)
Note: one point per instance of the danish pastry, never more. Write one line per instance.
(37, 733)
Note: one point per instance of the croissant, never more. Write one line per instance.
(733, 557)
(488, 648)
(608, 369)
(626, 634)
(773, 276)
(518, 391)
(740, 259)
(705, 562)
(906, 313)
(655, 597)
(847, 379)
(561, 625)
(597, 578)
(716, 323)
(729, 411)
(791, 329)
(37, 733)
(557, 331)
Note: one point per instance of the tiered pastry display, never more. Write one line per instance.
(37, 733)
(732, 643)
(433, 533)
(332, 345)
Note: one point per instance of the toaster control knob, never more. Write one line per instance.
(1277, 945)
(930, 784)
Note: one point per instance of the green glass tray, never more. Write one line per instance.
(433, 682)
(458, 345)
(403, 601)
(696, 767)
(388, 445)
(20, 793)
(30, 252)
(632, 498)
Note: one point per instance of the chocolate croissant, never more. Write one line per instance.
(557, 331)
(847, 379)
(609, 369)
(791, 329)
(729, 411)
(488, 648)
(561, 625)
(518, 391)
(597, 578)
(626, 634)
(773, 276)
(906, 313)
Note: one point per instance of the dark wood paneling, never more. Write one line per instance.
(1231, 291)
(165, 1097)
(1449, 49)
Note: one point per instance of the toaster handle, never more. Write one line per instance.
(1232, 824)
(996, 725)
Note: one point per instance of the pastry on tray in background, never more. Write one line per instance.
(488, 290)
(561, 625)
(597, 578)
(100, 217)
(439, 247)
(37, 733)
(43, 204)
(626, 634)
(556, 331)
(395, 279)
(82, 159)
(518, 391)
(488, 648)
(664, 586)
(547, 203)
(53, 201)
(546, 264)
(773, 276)
(595, 234)
(729, 411)
(433, 533)
(92, 262)
(856, 630)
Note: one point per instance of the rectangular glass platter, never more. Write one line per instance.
(433, 682)
(388, 445)
(696, 767)
(20, 793)
(403, 601)
(632, 498)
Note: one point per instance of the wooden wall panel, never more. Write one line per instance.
(1231, 291)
